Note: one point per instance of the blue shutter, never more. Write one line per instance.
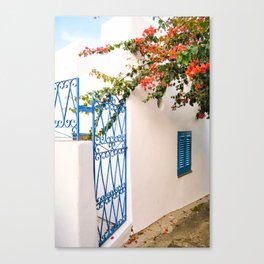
(188, 151)
(184, 152)
(181, 152)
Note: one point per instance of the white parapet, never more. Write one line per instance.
(75, 209)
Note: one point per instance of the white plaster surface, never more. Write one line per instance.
(152, 140)
(75, 212)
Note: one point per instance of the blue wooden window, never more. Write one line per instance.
(184, 152)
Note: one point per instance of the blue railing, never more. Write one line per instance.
(67, 121)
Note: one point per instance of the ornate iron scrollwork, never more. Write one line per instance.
(109, 139)
(66, 122)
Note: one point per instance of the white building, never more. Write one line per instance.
(153, 187)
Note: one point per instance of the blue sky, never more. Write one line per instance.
(79, 28)
(82, 28)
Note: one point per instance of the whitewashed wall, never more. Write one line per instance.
(75, 212)
(152, 140)
(153, 186)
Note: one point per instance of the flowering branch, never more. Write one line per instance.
(174, 54)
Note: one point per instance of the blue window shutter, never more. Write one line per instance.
(188, 151)
(181, 152)
(184, 152)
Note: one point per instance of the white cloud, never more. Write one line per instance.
(66, 36)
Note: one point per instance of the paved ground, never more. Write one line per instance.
(184, 228)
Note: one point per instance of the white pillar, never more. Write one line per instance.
(75, 209)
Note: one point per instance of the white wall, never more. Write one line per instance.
(75, 212)
(152, 140)
(153, 186)
(112, 31)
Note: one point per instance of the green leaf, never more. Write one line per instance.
(185, 61)
(192, 102)
(179, 58)
(194, 50)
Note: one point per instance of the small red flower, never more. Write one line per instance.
(173, 55)
(201, 115)
(181, 48)
(153, 66)
(198, 86)
(149, 31)
(139, 41)
(203, 68)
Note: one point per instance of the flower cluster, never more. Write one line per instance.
(99, 50)
(172, 54)
(149, 32)
(174, 51)
(157, 52)
(152, 79)
(147, 82)
(175, 31)
(139, 41)
(194, 68)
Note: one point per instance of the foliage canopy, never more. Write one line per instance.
(173, 54)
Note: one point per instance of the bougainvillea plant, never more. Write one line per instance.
(172, 55)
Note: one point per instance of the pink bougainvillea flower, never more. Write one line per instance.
(149, 31)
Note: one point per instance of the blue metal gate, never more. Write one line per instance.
(109, 150)
(66, 122)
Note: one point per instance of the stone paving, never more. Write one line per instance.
(187, 227)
